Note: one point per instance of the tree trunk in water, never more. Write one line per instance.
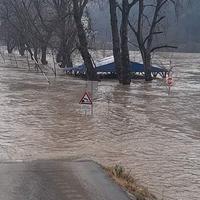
(83, 48)
(147, 66)
(125, 60)
(36, 53)
(59, 55)
(67, 61)
(21, 46)
(10, 47)
(64, 56)
(22, 49)
(115, 37)
(9, 50)
(28, 48)
(44, 55)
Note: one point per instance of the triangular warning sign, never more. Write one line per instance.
(86, 99)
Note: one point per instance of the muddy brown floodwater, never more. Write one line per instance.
(154, 134)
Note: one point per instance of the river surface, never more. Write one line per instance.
(155, 135)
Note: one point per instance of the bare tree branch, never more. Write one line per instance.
(162, 47)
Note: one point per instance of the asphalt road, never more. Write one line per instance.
(57, 180)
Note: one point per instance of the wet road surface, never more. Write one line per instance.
(61, 180)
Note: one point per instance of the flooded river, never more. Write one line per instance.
(154, 134)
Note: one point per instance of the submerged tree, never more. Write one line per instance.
(115, 37)
(65, 32)
(8, 32)
(78, 9)
(147, 27)
(125, 60)
(120, 39)
(43, 20)
(30, 25)
(23, 19)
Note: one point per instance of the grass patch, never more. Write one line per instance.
(124, 179)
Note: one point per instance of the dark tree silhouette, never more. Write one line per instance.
(78, 9)
(147, 26)
(120, 40)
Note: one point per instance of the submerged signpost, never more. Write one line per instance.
(169, 82)
(86, 100)
(86, 104)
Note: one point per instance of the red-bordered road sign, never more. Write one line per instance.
(169, 81)
(86, 99)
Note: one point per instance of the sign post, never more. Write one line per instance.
(169, 82)
(88, 97)
(87, 104)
